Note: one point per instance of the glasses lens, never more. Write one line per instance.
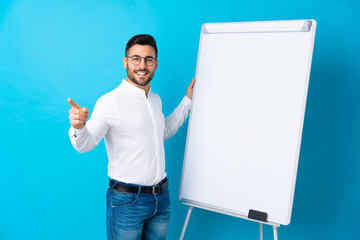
(149, 61)
(135, 60)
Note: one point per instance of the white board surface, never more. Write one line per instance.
(246, 121)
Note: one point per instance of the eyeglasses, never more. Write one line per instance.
(136, 60)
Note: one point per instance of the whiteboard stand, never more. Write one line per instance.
(186, 222)
(191, 207)
(275, 232)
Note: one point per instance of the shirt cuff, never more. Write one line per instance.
(186, 101)
(73, 132)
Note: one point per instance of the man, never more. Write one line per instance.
(131, 120)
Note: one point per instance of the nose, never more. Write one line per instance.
(142, 63)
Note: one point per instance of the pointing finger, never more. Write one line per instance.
(73, 104)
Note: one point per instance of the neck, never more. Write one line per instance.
(146, 88)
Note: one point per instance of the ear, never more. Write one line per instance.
(125, 62)
(156, 64)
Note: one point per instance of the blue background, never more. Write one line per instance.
(52, 50)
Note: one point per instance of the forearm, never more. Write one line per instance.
(176, 119)
(82, 140)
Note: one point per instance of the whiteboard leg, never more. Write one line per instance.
(186, 222)
(261, 232)
(275, 233)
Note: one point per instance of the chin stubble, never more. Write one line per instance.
(133, 79)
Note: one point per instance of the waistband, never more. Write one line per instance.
(155, 189)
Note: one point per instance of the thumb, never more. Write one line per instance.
(73, 104)
(192, 83)
(85, 110)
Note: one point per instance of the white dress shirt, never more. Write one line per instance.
(135, 129)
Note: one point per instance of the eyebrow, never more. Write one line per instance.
(141, 56)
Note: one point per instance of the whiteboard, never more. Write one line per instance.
(246, 121)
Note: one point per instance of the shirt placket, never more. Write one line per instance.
(155, 125)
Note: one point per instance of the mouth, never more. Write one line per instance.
(142, 73)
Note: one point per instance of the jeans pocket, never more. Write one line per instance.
(123, 199)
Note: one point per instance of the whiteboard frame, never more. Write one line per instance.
(251, 27)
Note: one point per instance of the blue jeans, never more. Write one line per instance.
(135, 216)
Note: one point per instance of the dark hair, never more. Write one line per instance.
(142, 39)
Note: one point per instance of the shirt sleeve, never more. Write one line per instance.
(176, 119)
(103, 117)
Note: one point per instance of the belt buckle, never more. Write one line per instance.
(154, 188)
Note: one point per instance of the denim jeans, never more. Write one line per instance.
(135, 216)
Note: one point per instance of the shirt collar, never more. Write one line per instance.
(133, 90)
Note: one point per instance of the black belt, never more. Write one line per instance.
(159, 188)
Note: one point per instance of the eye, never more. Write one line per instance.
(135, 59)
(149, 60)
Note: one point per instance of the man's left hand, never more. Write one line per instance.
(190, 89)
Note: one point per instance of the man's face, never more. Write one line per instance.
(142, 73)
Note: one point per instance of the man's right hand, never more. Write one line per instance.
(77, 115)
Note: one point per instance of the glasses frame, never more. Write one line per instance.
(145, 58)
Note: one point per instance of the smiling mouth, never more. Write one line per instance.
(141, 73)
